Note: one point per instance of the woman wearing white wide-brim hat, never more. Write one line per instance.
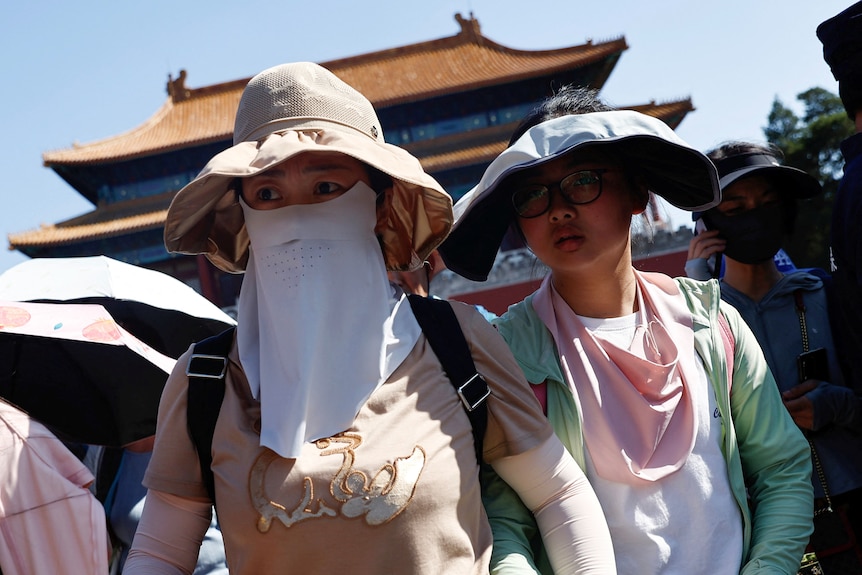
(340, 445)
(657, 388)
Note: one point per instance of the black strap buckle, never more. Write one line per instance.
(208, 366)
(473, 392)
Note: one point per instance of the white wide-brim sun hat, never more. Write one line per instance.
(680, 174)
(294, 109)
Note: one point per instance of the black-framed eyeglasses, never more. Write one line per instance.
(577, 189)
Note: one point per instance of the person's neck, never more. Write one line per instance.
(754, 280)
(599, 295)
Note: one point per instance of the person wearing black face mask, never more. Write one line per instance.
(757, 211)
(789, 317)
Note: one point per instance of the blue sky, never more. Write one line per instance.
(87, 70)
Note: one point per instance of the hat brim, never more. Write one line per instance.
(791, 182)
(205, 216)
(673, 170)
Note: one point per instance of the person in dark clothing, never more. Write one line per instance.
(841, 36)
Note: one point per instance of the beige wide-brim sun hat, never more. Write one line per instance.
(294, 109)
(672, 169)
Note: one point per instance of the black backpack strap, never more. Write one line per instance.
(107, 467)
(207, 369)
(444, 335)
(106, 471)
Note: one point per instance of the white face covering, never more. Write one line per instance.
(320, 328)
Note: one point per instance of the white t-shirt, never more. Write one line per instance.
(688, 522)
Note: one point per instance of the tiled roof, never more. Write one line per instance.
(461, 62)
(137, 215)
(203, 117)
(191, 117)
(671, 112)
(475, 154)
(105, 221)
(478, 150)
(56, 234)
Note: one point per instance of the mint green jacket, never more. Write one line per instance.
(767, 456)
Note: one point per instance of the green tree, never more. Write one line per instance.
(812, 143)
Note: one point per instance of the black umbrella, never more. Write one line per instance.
(75, 370)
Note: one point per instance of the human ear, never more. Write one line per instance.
(640, 198)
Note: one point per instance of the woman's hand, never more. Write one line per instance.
(705, 244)
(700, 248)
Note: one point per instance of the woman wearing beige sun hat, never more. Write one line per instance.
(340, 444)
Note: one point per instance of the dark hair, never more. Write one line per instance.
(568, 100)
(736, 148)
(378, 179)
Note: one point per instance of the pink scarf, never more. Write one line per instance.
(638, 419)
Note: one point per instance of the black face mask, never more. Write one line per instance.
(753, 236)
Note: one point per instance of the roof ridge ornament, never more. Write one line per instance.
(469, 27)
(177, 88)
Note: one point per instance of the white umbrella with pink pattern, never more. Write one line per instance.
(72, 367)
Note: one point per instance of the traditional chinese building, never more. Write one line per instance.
(452, 102)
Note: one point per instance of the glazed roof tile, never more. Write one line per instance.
(672, 112)
(58, 234)
(465, 61)
(474, 150)
(105, 221)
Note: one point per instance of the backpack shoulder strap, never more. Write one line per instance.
(206, 370)
(444, 335)
(106, 471)
(729, 347)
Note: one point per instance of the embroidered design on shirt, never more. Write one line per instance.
(379, 499)
(383, 497)
(270, 510)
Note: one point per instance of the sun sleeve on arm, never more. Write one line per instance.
(566, 508)
(169, 535)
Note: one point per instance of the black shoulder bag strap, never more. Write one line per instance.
(444, 335)
(106, 471)
(207, 369)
